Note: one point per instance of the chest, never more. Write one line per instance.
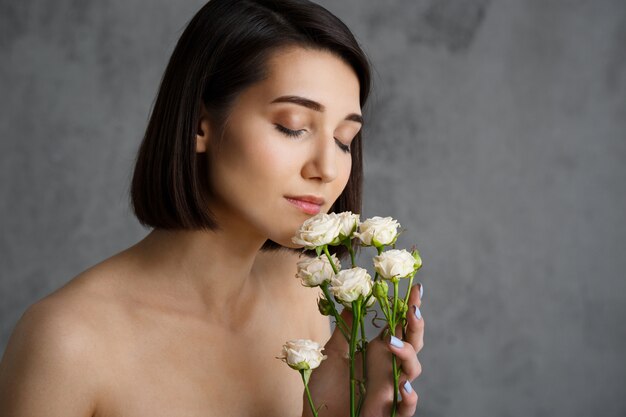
(172, 366)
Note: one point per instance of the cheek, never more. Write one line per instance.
(345, 173)
(269, 163)
(254, 164)
(340, 182)
(273, 158)
(348, 168)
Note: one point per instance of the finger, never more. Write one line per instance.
(415, 321)
(337, 340)
(406, 408)
(415, 297)
(415, 327)
(409, 363)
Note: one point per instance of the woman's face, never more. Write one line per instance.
(286, 136)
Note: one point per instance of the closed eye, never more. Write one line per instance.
(343, 147)
(289, 132)
(297, 133)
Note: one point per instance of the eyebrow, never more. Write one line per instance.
(305, 102)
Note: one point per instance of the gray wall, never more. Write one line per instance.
(497, 137)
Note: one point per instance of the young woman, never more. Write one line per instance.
(256, 127)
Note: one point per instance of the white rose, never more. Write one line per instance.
(302, 354)
(321, 229)
(314, 271)
(348, 284)
(395, 264)
(378, 231)
(349, 223)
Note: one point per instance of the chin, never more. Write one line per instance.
(283, 238)
(282, 233)
(287, 243)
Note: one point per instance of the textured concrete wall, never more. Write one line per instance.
(497, 136)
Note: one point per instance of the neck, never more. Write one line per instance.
(210, 272)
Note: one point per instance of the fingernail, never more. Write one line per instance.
(421, 290)
(407, 387)
(417, 312)
(396, 342)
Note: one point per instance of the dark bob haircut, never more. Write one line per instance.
(223, 50)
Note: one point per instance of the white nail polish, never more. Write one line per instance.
(407, 387)
(417, 312)
(396, 342)
(421, 290)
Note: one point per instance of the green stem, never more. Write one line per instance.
(356, 312)
(348, 245)
(395, 385)
(308, 394)
(375, 277)
(408, 291)
(367, 299)
(395, 305)
(342, 324)
(364, 366)
(343, 327)
(330, 259)
(384, 307)
(394, 364)
(406, 302)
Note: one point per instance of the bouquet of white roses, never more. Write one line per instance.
(354, 288)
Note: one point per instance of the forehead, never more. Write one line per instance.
(315, 74)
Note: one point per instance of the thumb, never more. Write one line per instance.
(337, 340)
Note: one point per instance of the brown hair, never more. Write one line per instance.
(223, 50)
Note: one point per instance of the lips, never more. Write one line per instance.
(308, 204)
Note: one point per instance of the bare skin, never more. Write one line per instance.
(189, 323)
(137, 352)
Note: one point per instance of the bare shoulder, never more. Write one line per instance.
(53, 362)
(77, 310)
(301, 301)
(54, 326)
(83, 306)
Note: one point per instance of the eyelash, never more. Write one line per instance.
(296, 133)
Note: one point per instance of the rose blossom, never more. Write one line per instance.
(314, 271)
(395, 264)
(348, 284)
(378, 231)
(302, 354)
(321, 229)
(349, 223)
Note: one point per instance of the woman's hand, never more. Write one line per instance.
(329, 383)
(379, 397)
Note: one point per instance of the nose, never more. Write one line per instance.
(321, 164)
